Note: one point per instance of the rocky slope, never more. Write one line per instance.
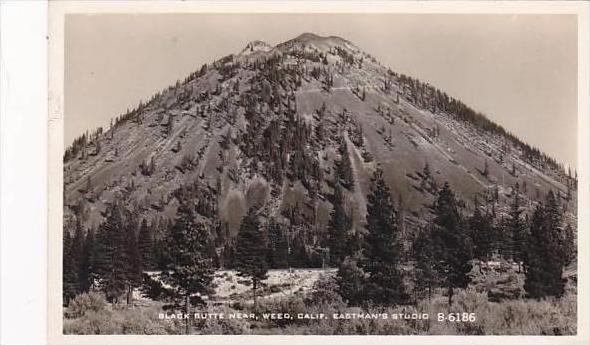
(267, 127)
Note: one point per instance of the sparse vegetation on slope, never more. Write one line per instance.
(312, 154)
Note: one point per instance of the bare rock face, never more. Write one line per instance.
(275, 127)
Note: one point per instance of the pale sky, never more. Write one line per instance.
(519, 70)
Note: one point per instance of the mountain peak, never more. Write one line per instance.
(310, 36)
(256, 46)
(273, 128)
(305, 40)
(309, 39)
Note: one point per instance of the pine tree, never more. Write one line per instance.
(344, 167)
(133, 266)
(85, 277)
(486, 170)
(69, 275)
(145, 243)
(517, 229)
(504, 236)
(114, 260)
(351, 280)
(91, 258)
(78, 255)
(453, 248)
(569, 245)
(426, 177)
(545, 260)
(278, 246)
(382, 248)
(190, 270)
(354, 243)
(425, 278)
(338, 227)
(161, 256)
(152, 166)
(251, 252)
(496, 193)
(481, 231)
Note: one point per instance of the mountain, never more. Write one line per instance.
(275, 127)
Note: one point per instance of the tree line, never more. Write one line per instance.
(114, 258)
(444, 250)
(429, 97)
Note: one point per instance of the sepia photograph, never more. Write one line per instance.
(317, 173)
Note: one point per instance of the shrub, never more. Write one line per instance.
(291, 305)
(553, 316)
(91, 323)
(325, 291)
(154, 289)
(509, 317)
(351, 279)
(225, 325)
(122, 321)
(500, 283)
(81, 304)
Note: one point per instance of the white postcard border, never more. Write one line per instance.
(57, 12)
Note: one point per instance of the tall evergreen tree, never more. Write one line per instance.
(338, 227)
(190, 270)
(113, 261)
(344, 167)
(570, 245)
(453, 248)
(426, 181)
(145, 243)
(382, 247)
(74, 262)
(278, 246)
(351, 280)
(517, 229)
(85, 257)
(91, 258)
(79, 255)
(70, 273)
(486, 169)
(425, 275)
(554, 221)
(481, 231)
(133, 267)
(251, 251)
(160, 228)
(545, 257)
